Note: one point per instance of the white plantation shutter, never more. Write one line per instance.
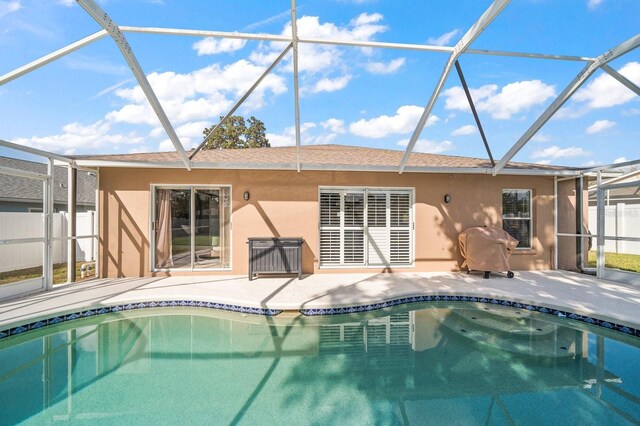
(330, 247)
(330, 242)
(354, 209)
(353, 228)
(353, 246)
(377, 228)
(400, 231)
(365, 227)
(330, 209)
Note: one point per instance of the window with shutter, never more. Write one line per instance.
(361, 227)
(400, 232)
(377, 228)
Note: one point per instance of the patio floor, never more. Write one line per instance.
(561, 290)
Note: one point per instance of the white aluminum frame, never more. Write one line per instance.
(563, 97)
(101, 17)
(601, 270)
(462, 47)
(116, 32)
(322, 167)
(487, 17)
(152, 217)
(46, 281)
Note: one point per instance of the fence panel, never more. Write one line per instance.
(621, 220)
(29, 225)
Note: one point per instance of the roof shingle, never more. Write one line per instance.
(316, 155)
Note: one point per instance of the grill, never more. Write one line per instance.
(487, 249)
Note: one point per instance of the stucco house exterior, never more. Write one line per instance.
(354, 210)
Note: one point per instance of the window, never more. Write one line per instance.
(516, 215)
(192, 227)
(365, 227)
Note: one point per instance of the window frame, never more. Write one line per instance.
(365, 190)
(530, 218)
(152, 217)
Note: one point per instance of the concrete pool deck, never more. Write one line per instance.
(567, 291)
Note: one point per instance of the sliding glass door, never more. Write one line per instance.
(192, 227)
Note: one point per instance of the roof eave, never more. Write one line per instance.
(321, 167)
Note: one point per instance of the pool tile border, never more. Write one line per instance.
(489, 300)
(12, 331)
(85, 313)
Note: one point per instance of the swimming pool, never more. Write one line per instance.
(441, 364)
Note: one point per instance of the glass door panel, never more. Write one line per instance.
(192, 228)
(212, 223)
(173, 228)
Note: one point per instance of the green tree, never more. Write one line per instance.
(236, 133)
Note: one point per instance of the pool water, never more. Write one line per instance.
(454, 364)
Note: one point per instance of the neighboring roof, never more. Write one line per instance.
(329, 157)
(27, 190)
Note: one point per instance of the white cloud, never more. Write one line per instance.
(67, 3)
(385, 68)
(7, 7)
(156, 132)
(444, 39)
(540, 137)
(464, 130)
(317, 58)
(512, 99)
(212, 46)
(593, 4)
(310, 133)
(631, 111)
(600, 126)
(555, 152)
(288, 136)
(430, 147)
(366, 19)
(198, 95)
(404, 121)
(189, 134)
(138, 150)
(455, 97)
(605, 91)
(334, 125)
(620, 160)
(329, 85)
(78, 138)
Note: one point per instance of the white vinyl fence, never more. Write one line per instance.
(29, 225)
(620, 221)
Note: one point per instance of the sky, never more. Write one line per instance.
(88, 102)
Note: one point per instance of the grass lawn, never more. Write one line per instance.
(59, 274)
(625, 262)
(183, 244)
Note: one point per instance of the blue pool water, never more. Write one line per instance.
(438, 365)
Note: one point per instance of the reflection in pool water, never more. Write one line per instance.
(439, 365)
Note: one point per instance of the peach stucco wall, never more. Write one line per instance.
(285, 203)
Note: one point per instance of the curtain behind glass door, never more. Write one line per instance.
(173, 228)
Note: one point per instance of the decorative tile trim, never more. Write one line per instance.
(132, 306)
(478, 299)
